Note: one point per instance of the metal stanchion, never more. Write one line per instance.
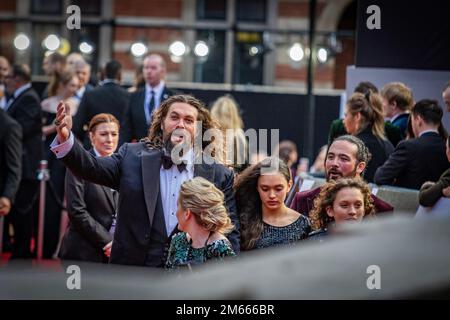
(43, 176)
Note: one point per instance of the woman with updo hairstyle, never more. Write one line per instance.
(203, 221)
(364, 119)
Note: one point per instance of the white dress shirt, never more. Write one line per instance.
(170, 181)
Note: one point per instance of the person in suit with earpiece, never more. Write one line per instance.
(138, 115)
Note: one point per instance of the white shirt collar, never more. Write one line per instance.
(21, 89)
(81, 91)
(97, 154)
(426, 131)
(157, 89)
(108, 80)
(397, 115)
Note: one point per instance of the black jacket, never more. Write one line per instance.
(107, 98)
(414, 162)
(380, 150)
(135, 125)
(91, 209)
(10, 156)
(134, 171)
(26, 110)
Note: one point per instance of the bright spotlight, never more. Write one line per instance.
(86, 47)
(52, 42)
(201, 49)
(253, 51)
(138, 49)
(21, 41)
(322, 55)
(296, 52)
(177, 48)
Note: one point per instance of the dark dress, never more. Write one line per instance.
(380, 150)
(275, 236)
(318, 235)
(181, 253)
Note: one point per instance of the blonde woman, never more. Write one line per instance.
(226, 111)
(204, 222)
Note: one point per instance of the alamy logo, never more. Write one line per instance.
(74, 280)
(374, 280)
(374, 20)
(74, 20)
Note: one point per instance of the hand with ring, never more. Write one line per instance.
(63, 122)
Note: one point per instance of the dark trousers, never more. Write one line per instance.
(23, 213)
(54, 196)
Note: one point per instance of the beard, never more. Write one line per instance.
(177, 149)
(338, 174)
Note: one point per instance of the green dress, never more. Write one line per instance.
(181, 253)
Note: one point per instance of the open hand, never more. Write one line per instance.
(63, 122)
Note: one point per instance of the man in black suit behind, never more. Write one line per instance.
(10, 162)
(24, 107)
(144, 102)
(109, 97)
(147, 181)
(418, 160)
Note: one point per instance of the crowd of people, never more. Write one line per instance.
(138, 192)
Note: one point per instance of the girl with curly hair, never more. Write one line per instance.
(341, 201)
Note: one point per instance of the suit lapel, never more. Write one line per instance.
(142, 106)
(109, 196)
(151, 164)
(15, 101)
(165, 94)
(205, 171)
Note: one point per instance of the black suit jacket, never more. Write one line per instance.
(135, 125)
(10, 156)
(26, 110)
(108, 98)
(414, 162)
(91, 209)
(380, 150)
(134, 171)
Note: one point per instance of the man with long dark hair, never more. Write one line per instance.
(147, 179)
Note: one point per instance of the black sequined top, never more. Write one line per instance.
(274, 236)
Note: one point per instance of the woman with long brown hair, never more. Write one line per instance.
(265, 219)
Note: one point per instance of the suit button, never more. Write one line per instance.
(147, 236)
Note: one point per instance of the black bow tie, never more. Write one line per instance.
(168, 163)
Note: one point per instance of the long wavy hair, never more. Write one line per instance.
(155, 139)
(248, 201)
(226, 111)
(319, 217)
